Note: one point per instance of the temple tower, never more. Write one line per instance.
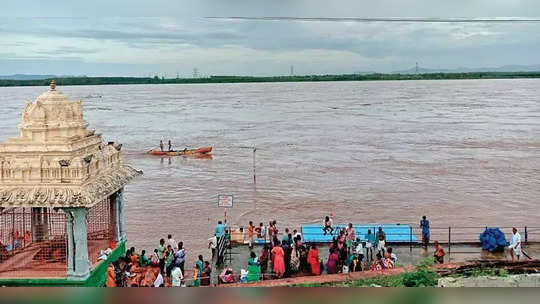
(61, 193)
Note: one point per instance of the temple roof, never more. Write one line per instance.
(56, 161)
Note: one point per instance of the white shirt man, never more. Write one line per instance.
(212, 244)
(172, 242)
(177, 277)
(515, 245)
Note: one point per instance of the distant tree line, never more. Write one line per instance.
(237, 79)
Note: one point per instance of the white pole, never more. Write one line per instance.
(254, 172)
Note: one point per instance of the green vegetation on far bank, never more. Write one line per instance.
(240, 79)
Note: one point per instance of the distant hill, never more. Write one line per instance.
(505, 68)
(31, 77)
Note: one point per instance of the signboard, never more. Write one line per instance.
(225, 200)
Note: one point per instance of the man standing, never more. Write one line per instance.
(180, 257)
(515, 245)
(161, 255)
(424, 224)
(220, 229)
(170, 146)
(251, 230)
(212, 244)
(261, 232)
(381, 241)
(161, 145)
(172, 242)
(370, 241)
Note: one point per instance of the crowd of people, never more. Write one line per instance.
(281, 255)
(164, 267)
(287, 255)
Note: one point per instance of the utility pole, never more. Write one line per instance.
(292, 70)
(254, 172)
(416, 68)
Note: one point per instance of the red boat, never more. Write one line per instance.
(194, 152)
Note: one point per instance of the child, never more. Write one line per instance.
(439, 253)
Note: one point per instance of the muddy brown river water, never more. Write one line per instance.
(462, 152)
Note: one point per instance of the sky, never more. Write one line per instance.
(166, 38)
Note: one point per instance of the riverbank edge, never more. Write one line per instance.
(72, 81)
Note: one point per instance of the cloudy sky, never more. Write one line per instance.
(141, 38)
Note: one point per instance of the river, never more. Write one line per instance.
(461, 152)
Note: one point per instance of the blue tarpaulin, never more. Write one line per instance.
(493, 239)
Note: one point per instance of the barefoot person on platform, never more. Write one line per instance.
(515, 245)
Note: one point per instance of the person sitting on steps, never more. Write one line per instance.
(327, 224)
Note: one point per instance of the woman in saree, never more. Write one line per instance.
(278, 260)
(332, 263)
(313, 260)
(254, 271)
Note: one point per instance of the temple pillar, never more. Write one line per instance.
(40, 224)
(120, 233)
(77, 253)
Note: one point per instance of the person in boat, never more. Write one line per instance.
(261, 232)
(161, 145)
(170, 146)
(254, 271)
(327, 225)
(313, 260)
